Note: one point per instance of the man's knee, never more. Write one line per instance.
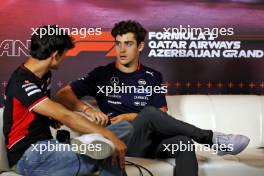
(128, 127)
(149, 109)
(184, 139)
(124, 130)
(149, 112)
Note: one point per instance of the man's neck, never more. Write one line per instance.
(37, 67)
(130, 68)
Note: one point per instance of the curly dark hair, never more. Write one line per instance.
(42, 46)
(134, 27)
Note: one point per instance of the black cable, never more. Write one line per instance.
(139, 168)
(140, 171)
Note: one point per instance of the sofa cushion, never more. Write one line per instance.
(248, 163)
(9, 174)
(241, 114)
(3, 158)
(156, 167)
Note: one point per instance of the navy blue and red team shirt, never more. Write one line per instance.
(102, 78)
(22, 126)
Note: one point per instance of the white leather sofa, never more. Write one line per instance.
(242, 114)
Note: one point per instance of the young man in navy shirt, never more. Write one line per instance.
(29, 112)
(129, 91)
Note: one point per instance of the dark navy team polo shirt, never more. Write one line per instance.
(137, 89)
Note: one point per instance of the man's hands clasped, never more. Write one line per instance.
(97, 117)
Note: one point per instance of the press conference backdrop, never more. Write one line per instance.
(200, 47)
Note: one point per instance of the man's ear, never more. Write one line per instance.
(141, 46)
(55, 55)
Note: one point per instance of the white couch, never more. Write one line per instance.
(242, 114)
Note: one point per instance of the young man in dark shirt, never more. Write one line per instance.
(29, 112)
(129, 91)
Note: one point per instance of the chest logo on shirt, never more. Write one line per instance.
(137, 103)
(151, 73)
(142, 82)
(114, 80)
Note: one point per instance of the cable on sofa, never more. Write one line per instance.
(139, 168)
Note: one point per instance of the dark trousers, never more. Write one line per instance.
(153, 130)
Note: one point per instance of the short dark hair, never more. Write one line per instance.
(43, 45)
(134, 27)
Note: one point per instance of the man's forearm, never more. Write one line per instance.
(130, 116)
(73, 120)
(66, 97)
(83, 125)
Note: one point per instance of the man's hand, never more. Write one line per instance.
(97, 117)
(123, 117)
(118, 118)
(55, 124)
(120, 152)
(120, 148)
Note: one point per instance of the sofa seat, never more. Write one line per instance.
(250, 162)
(9, 174)
(155, 166)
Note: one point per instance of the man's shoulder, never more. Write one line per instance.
(103, 69)
(18, 81)
(16, 78)
(151, 72)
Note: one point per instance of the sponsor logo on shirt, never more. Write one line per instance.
(30, 88)
(49, 84)
(142, 82)
(141, 97)
(151, 73)
(138, 103)
(114, 80)
(114, 96)
(114, 102)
